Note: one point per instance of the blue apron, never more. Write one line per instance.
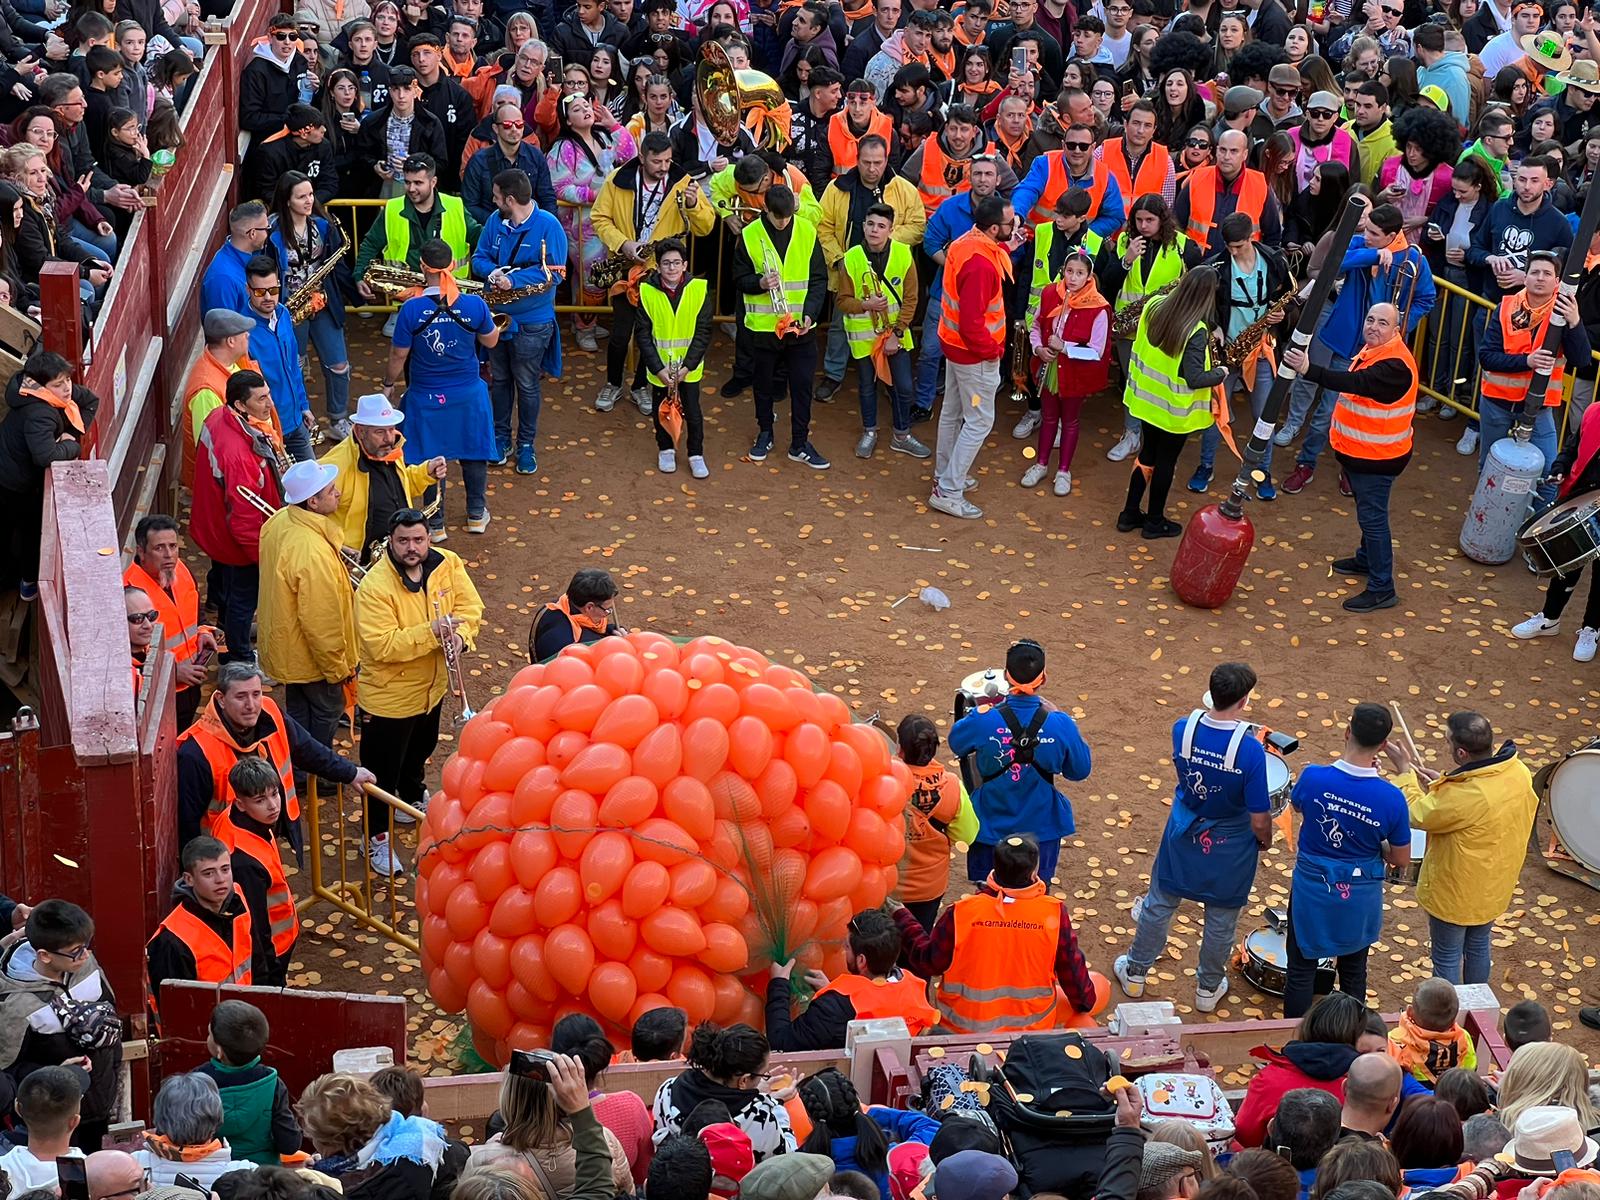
(1336, 905)
(446, 405)
(1211, 860)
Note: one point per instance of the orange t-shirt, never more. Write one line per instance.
(925, 870)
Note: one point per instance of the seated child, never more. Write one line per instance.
(258, 1120)
(1428, 1042)
(1525, 1022)
(249, 833)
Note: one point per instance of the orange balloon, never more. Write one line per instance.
(491, 870)
(458, 964)
(725, 950)
(645, 889)
(802, 923)
(833, 917)
(568, 672)
(867, 834)
(705, 748)
(487, 1010)
(627, 719)
(707, 668)
(557, 897)
(488, 822)
(886, 795)
(597, 768)
(471, 785)
(769, 705)
(564, 747)
(735, 799)
(844, 767)
(828, 808)
(480, 739)
(604, 864)
(724, 849)
(728, 903)
(569, 955)
(445, 993)
(612, 987)
(446, 878)
(777, 786)
(573, 820)
(435, 939)
(804, 701)
(729, 997)
(687, 802)
(582, 707)
(512, 914)
(788, 877)
(446, 823)
(535, 793)
(870, 891)
(528, 966)
(531, 711)
(619, 674)
(516, 758)
(691, 989)
(832, 874)
(673, 931)
(524, 1005)
(717, 701)
(465, 912)
(648, 1002)
(749, 746)
(835, 712)
(659, 756)
(693, 883)
(664, 842)
(793, 828)
(870, 745)
(755, 847)
(527, 1035)
(629, 801)
(612, 933)
(529, 677)
(668, 691)
(533, 854)
(806, 750)
(652, 970)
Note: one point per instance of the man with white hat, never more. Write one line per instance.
(374, 479)
(1545, 1137)
(305, 623)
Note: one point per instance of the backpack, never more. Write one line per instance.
(1024, 741)
(1193, 1099)
(1047, 1102)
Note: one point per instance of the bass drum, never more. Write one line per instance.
(1574, 794)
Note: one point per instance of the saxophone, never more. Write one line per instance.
(1236, 352)
(392, 277)
(302, 302)
(1126, 323)
(615, 265)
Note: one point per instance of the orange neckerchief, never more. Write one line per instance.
(1026, 689)
(1012, 150)
(461, 70)
(1537, 314)
(1088, 296)
(578, 618)
(449, 289)
(269, 430)
(392, 456)
(163, 1147)
(1397, 248)
(68, 407)
(946, 62)
(1590, 260)
(1410, 1045)
(1036, 888)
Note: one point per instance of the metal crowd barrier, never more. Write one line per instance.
(340, 873)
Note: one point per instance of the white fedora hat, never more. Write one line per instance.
(305, 479)
(376, 410)
(1544, 1131)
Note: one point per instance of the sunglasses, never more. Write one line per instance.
(1077, 145)
(1198, 143)
(144, 618)
(1393, 12)
(1286, 92)
(265, 291)
(510, 124)
(1321, 114)
(282, 36)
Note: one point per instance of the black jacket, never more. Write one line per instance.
(1480, 27)
(698, 344)
(168, 957)
(747, 279)
(266, 90)
(1277, 283)
(571, 41)
(31, 1036)
(266, 162)
(255, 883)
(821, 1027)
(449, 101)
(30, 433)
(372, 147)
(686, 148)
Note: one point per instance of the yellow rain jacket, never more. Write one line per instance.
(900, 194)
(354, 487)
(305, 617)
(402, 663)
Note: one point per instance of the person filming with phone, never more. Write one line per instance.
(544, 1099)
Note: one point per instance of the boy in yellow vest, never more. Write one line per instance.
(247, 831)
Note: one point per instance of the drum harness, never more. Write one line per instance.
(1024, 741)
(1241, 730)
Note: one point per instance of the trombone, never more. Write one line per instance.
(452, 662)
(1405, 281)
(352, 565)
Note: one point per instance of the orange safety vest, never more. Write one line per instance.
(935, 185)
(1002, 975)
(1203, 183)
(221, 755)
(907, 998)
(1059, 180)
(964, 247)
(1152, 170)
(180, 612)
(281, 915)
(207, 374)
(215, 961)
(1364, 429)
(1509, 387)
(845, 145)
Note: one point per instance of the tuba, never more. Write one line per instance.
(728, 97)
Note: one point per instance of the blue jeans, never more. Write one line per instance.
(100, 245)
(323, 332)
(1150, 939)
(980, 860)
(1258, 403)
(297, 442)
(517, 364)
(1460, 952)
(899, 391)
(1451, 351)
(930, 362)
(475, 475)
(837, 356)
(1494, 422)
(1376, 553)
(1322, 415)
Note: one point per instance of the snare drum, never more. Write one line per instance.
(1280, 782)
(980, 689)
(1264, 962)
(1559, 540)
(1412, 871)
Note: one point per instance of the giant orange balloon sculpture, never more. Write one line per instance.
(639, 823)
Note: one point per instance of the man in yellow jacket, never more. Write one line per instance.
(1478, 816)
(374, 480)
(305, 619)
(415, 601)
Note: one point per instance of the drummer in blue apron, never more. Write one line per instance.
(446, 405)
(1220, 822)
(1348, 813)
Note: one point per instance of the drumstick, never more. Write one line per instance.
(1410, 741)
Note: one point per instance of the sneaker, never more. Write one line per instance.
(733, 388)
(382, 859)
(527, 460)
(867, 444)
(1286, 435)
(762, 446)
(1446, 413)
(1590, 1017)
(402, 817)
(1537, 625)
(502, 453)
(1588, 638)
(955, 506)
(1127, 444)
(1267, 490)
(1344, 486)
(1426, 404)
(919, 415)
(339, 430)
(1201, 479)
(1026, 426)
(666, 461)
(904, 443)
(643, 401)
(1207, 999)
(1369, 600)
(1034, 475)
(479, 523)
(697, 466)
(968, 484)
(1137, 910)
(809, 456)
(826, 390)
(1295, 482)
(436, 536)
(1063, 484)
(1348, 566)
(1468, 443)
(1160, 527)
(28, 591)
(1127, 522)
(608, 397)
(1132, 985)
(600, 331)
(388, 326)
(586, 341)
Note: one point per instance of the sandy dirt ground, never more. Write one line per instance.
(822, 570)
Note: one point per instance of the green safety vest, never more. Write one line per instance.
(452, 228)
(1167, 267)
(761, 316)
(673, 328)
(858, 326)
(1156, 390)
(1043, 238)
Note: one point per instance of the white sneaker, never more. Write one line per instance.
(1286, 435)
(1468, 443)
(1426, 404)
(1127, 444)
(1138, 910)
(1207, 1000)
(956, 506)
(608, 397)
(643, 400)
(1537, 625)
(586, 341)
(666, 461)
(1034, 475)
(1063, 485)
(401, 817)
(1026, 426)
(1588, 638)
(382, 859)
(388, 326)
(697, 466)
(1132, 985)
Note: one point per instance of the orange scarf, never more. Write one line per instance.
(1397, 248)
(945, 62)
(269, 430)
(449, 289)
(1088, 296)
(1036, 888)
(69, 407)
(1537, 314)
(160, 1145)
(1010, 149)
(392, 456)
(579, 619)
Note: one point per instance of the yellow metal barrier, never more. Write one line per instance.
(351, 889)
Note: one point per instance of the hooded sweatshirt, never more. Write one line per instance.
(267, 87)
(763, 1119)
(1320, 1065)
(31, 1034)
(1511, 233)
(1453, 74)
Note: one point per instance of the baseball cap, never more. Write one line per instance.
(1325, 100)
(1441, 99)
(731, 1157)
(1284, 75)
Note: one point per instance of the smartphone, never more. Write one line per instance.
(1129, 88)
(531, 1064)
(202, 656)
(73, 1172)
(1019, 60)
(1435, 232)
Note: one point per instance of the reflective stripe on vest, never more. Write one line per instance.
(452, 229)
(906, 997)
(858, 330)
(1156, 391)
(934, 185)
(1364, 429)
(1168, 266)
(281, 915)
(994, 317)
(761, 315)
(1152, 176)
(1002, 973)
(846, 146)
(222, 756)
(214, 960)
(673, 328)
(1203, 183)
(1510, 387)
(180, 612)
(1043, 239)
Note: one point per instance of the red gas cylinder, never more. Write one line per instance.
(1211, 555)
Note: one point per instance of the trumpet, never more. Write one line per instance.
(452, 663)
(771, 266)
(352, 567)
(874, 290)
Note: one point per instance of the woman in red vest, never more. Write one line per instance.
(1071, 339)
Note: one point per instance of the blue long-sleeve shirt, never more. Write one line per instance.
(277, 351)
(518, 248)
(1019, 800)
(1112, 210)
(949, 221)
(1365, 284)
(1493, 357)
(223, 285)
(477, 185)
